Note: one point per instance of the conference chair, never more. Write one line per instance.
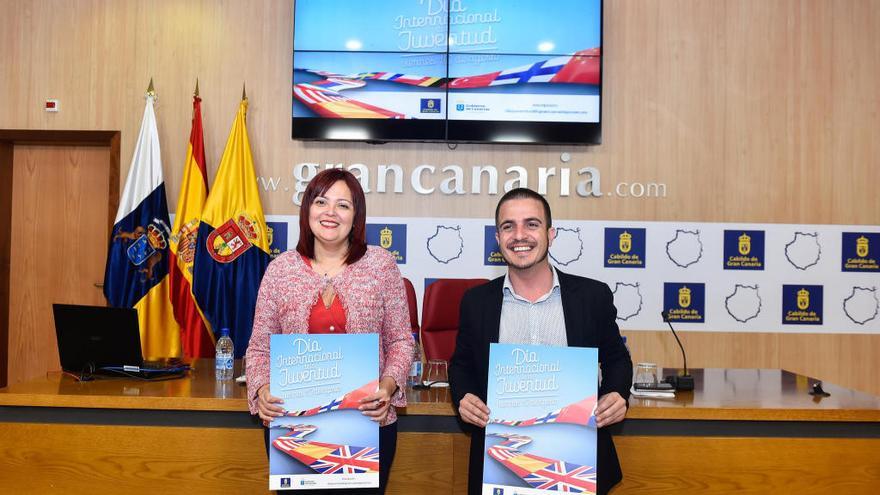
(440, 315)
(413, 305)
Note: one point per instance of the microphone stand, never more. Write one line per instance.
(683, 381)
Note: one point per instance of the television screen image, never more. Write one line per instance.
(458, 70)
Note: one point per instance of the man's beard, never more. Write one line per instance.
(526, 267)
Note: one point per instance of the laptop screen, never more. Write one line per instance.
(90, 337)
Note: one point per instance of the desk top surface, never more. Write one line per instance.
(720, 394)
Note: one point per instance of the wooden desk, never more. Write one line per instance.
(127, 436)
(744, 431)
(193, 435)
(751, 431)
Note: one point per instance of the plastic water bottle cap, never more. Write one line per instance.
(224, 332)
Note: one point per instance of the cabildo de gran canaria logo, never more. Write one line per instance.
(277, 238)
(491, 251)
(802, 304)
(625, 248)
(389, 236)
(857, 252)
(430, 105)
(685, 302)
(743, 249)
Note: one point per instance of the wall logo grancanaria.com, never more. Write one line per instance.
(584, 182)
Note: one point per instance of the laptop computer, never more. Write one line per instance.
(102, 340)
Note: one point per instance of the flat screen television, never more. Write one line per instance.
(503, 71)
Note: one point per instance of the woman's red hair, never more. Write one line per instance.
(357, 238)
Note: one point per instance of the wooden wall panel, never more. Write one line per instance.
(748, 111)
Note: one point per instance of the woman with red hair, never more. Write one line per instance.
(335, 283)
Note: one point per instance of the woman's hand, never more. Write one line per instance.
(377, 404)
(266, 405)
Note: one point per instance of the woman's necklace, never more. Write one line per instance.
(327, 292)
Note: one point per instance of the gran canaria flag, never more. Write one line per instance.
(137, 259)
(232, 250)
(197, 339)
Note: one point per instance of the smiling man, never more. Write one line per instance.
(535, 303)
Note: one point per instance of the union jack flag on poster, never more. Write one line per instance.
(323, 378)
(327, 458)
(542, 430)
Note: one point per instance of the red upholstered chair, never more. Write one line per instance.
(413, 305)
(440, 315)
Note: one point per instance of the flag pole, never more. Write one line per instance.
(151, 91)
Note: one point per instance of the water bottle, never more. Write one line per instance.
(415, 369)
(223, 356)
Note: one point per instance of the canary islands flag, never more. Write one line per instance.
(137, 258)
(197, 340)
(232, 248)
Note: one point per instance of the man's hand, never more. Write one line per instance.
(473, 410)
(610, 409)
(266, 405)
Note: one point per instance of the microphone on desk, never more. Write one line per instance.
(684, 381)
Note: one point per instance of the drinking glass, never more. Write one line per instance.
(438, 375)
(646, 373)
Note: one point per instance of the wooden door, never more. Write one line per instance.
(58, 245)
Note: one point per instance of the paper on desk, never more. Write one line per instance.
(652, 394)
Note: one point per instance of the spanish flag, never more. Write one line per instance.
(137, 258)
(196, 338)
(232, 250)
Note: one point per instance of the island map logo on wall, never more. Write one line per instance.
(685, 248)
(491, 250)
(625, 248)
(802, 304)
(859, 252)
(389, 236)
(862, 305)
(568, 246)
(744, 303)
(446, 244)
(743, 249)
(627, 299)
(685, 302)
(804, 250)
